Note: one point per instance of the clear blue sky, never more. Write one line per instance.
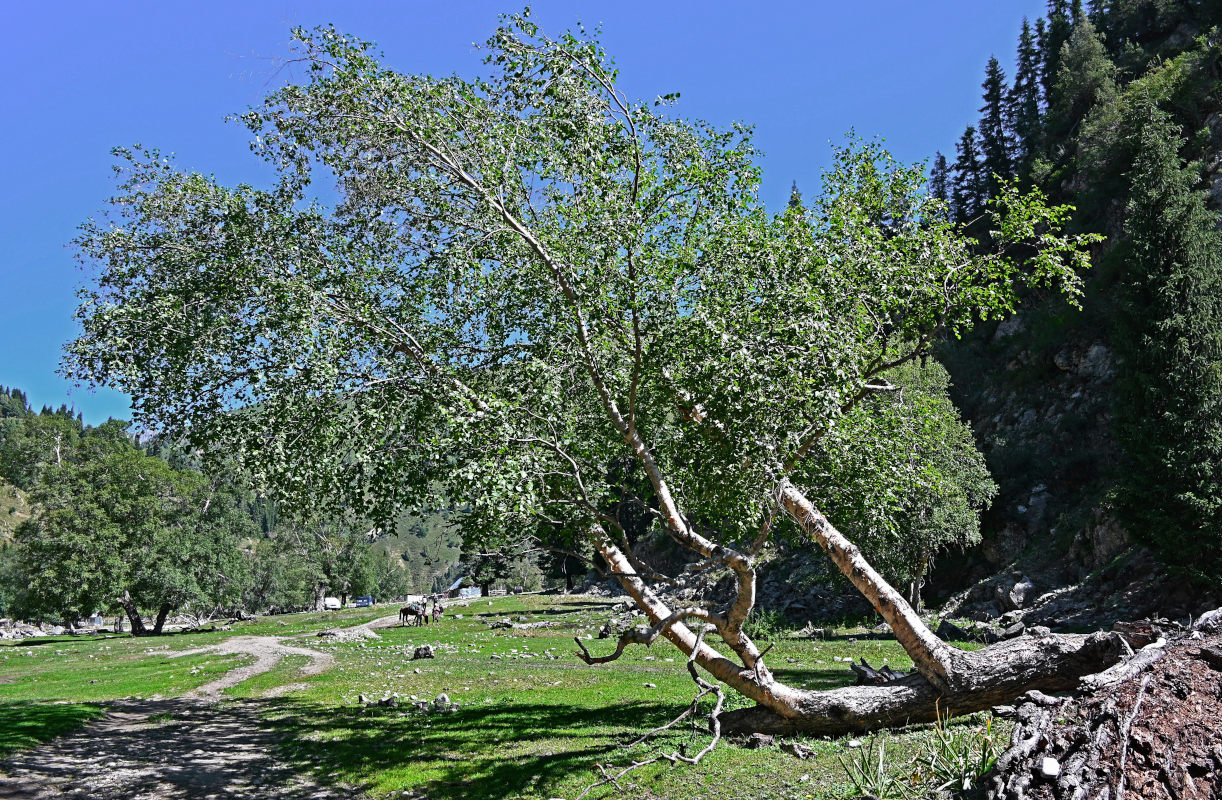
(82, 77)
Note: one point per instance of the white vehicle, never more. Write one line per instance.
(331, 604)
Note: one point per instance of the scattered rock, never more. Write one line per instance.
(1209, 622)
(797, 750)
(1050, 768)
(757, 740)
(1015, 630)
(949, 631)
(349, 634)
(1016, 595)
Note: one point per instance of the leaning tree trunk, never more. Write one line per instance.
(320, 597)
(133, 614)
(948, 681)
(159, 623)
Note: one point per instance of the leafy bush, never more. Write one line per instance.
(954, 760)
(764, 624)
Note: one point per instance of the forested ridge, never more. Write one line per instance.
(96, 520)
(1102, 425)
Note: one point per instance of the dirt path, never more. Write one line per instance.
(184, 747)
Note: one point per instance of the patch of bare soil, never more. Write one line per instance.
(185, 747)
(1151, 730)
(177, 748)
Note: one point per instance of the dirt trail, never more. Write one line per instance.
(184, 747)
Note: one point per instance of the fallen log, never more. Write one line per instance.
(981, 679)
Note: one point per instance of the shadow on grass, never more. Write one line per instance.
(559, 610)
(479, 752)
(24, 724)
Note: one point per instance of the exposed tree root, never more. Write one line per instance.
(1150, 726)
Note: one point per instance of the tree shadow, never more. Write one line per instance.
(478, 752)
(27, 723)
(177, 747)
(563, 610)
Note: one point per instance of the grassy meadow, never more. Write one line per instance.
(533, 722)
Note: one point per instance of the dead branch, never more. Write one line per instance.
(1124, 736)
(705, 688)
(648, 635)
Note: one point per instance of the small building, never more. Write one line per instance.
(457, 589)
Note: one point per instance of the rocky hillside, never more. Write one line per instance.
(1080, 411)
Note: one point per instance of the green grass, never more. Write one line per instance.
(536, 727)
(534, 721)
(287, 671)
(97, 671)
(25, 723)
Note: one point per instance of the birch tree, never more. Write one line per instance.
(527, 280)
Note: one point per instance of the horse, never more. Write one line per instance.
(413, 614)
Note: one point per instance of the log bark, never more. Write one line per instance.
(988, 677)
(933, 658)
(982, 679)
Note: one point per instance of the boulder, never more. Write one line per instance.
(423, 651)
(757, 740)
(949, 631)
(1017, 629)
(1017, 594)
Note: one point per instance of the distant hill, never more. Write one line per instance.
(428, 548)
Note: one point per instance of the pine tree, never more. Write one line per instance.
(795, 197)
(1169, 393)
(995, 143)
(1054, 36)
(1086, 78)
(1024, 102)
(939, 179)
(968, 193)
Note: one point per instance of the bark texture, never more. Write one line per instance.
(989, 677)
(133, 614)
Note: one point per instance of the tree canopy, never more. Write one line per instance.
(528, 278)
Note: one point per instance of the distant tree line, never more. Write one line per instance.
(137, 529)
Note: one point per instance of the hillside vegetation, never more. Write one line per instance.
(1102, 425)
